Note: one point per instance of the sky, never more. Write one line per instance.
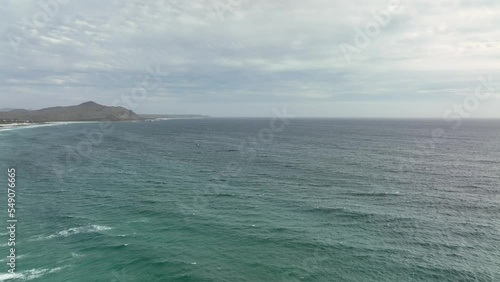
(316, 58)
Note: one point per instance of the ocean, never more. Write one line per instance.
(225, 199)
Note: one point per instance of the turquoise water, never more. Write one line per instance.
(208, 200)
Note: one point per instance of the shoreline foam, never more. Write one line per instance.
(11, 126)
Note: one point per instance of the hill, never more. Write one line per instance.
(89, 111)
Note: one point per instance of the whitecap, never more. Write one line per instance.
(74, 231)
(8, 276)
(29, 274)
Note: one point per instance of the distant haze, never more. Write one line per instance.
(323, 58)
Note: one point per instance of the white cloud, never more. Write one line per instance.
(284, 51)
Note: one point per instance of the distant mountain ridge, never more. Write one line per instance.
(88, 111)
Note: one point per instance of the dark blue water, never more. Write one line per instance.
(212, 200)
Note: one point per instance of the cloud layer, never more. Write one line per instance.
(239, 57)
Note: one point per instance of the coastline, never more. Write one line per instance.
(19, 125)
(175, 118)
(16, 125)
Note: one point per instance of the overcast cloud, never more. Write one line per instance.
(243, 58)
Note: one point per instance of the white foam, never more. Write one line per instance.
(75, 255)
(74, 231)
(29, 274)
(5, 277)
(32, 274)
(13, 126)
(57, 269)
(21, 126)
